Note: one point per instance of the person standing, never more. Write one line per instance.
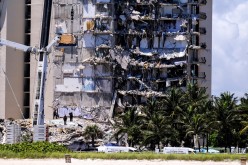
(71, 116)
(54, 114)
(65, 119)
(57, 113)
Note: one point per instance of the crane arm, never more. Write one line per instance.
(19, 46)
(54, 41)
(30, 49)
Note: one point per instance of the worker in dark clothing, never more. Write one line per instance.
(54, 114)
(71, 116)
(57, 114)
(65, 119)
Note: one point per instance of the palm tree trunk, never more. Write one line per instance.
(193, 142)
(203, 140)
(225, 143)
(198, 142)
(93, 141)
(207, 143)
(129, 143)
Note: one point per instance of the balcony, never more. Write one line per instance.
(201, 16)
(197, 2)
(202, 75)
(200, 46)
(103, 2)
(202, 30)
(199, 75)
(168, 2)
(201, 60)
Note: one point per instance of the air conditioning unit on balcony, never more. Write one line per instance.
(202, 30)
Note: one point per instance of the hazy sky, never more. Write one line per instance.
(230, 47)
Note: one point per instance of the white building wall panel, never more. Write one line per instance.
(88, 40)
(89, 10)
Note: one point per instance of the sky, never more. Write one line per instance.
(230, 47)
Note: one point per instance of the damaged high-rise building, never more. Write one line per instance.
(118, 53)
(130, 50)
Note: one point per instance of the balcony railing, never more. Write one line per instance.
(200, 46)
(202, 30)
(198, 60)
(200, 2)
(202, 15)
(199, 75)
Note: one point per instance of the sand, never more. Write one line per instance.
(109, 162)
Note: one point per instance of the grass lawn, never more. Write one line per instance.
(115, 156)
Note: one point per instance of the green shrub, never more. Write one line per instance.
(37, 147)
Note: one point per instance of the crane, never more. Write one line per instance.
(40, 89)
(18, 46)
(29, 49)
(43, 51)
(39, 102)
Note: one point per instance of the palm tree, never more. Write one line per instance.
(211, 123)
(245, 128)
(192, 123)
(173, 105)
(191, 112)
(92, 132)
(157, 128)
(195, 95)
(244, 109)
(173, 102)
(129, 124)
(226, 114)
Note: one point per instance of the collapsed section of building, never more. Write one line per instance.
(118, 53)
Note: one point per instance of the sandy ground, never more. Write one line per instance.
(109, 162)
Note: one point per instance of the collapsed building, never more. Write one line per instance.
(118, 53)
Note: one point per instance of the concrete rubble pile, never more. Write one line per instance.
(57, 131)
(26, 132)
(73, 131)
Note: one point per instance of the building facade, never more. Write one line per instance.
(112, 54)
(128, 51)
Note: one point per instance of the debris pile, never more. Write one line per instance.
(57, 131)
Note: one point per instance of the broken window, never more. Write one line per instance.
(103, 25)
(194, 40)
(102, 52)
(194, 9)
(103, 41)
(194, 70)
(89, 84)
(103, 9)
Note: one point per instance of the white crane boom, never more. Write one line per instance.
(54, 41)
(39, 101)
(19, 46)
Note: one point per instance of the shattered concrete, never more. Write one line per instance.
(57, 131)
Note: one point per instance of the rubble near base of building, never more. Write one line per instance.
(57, 131)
